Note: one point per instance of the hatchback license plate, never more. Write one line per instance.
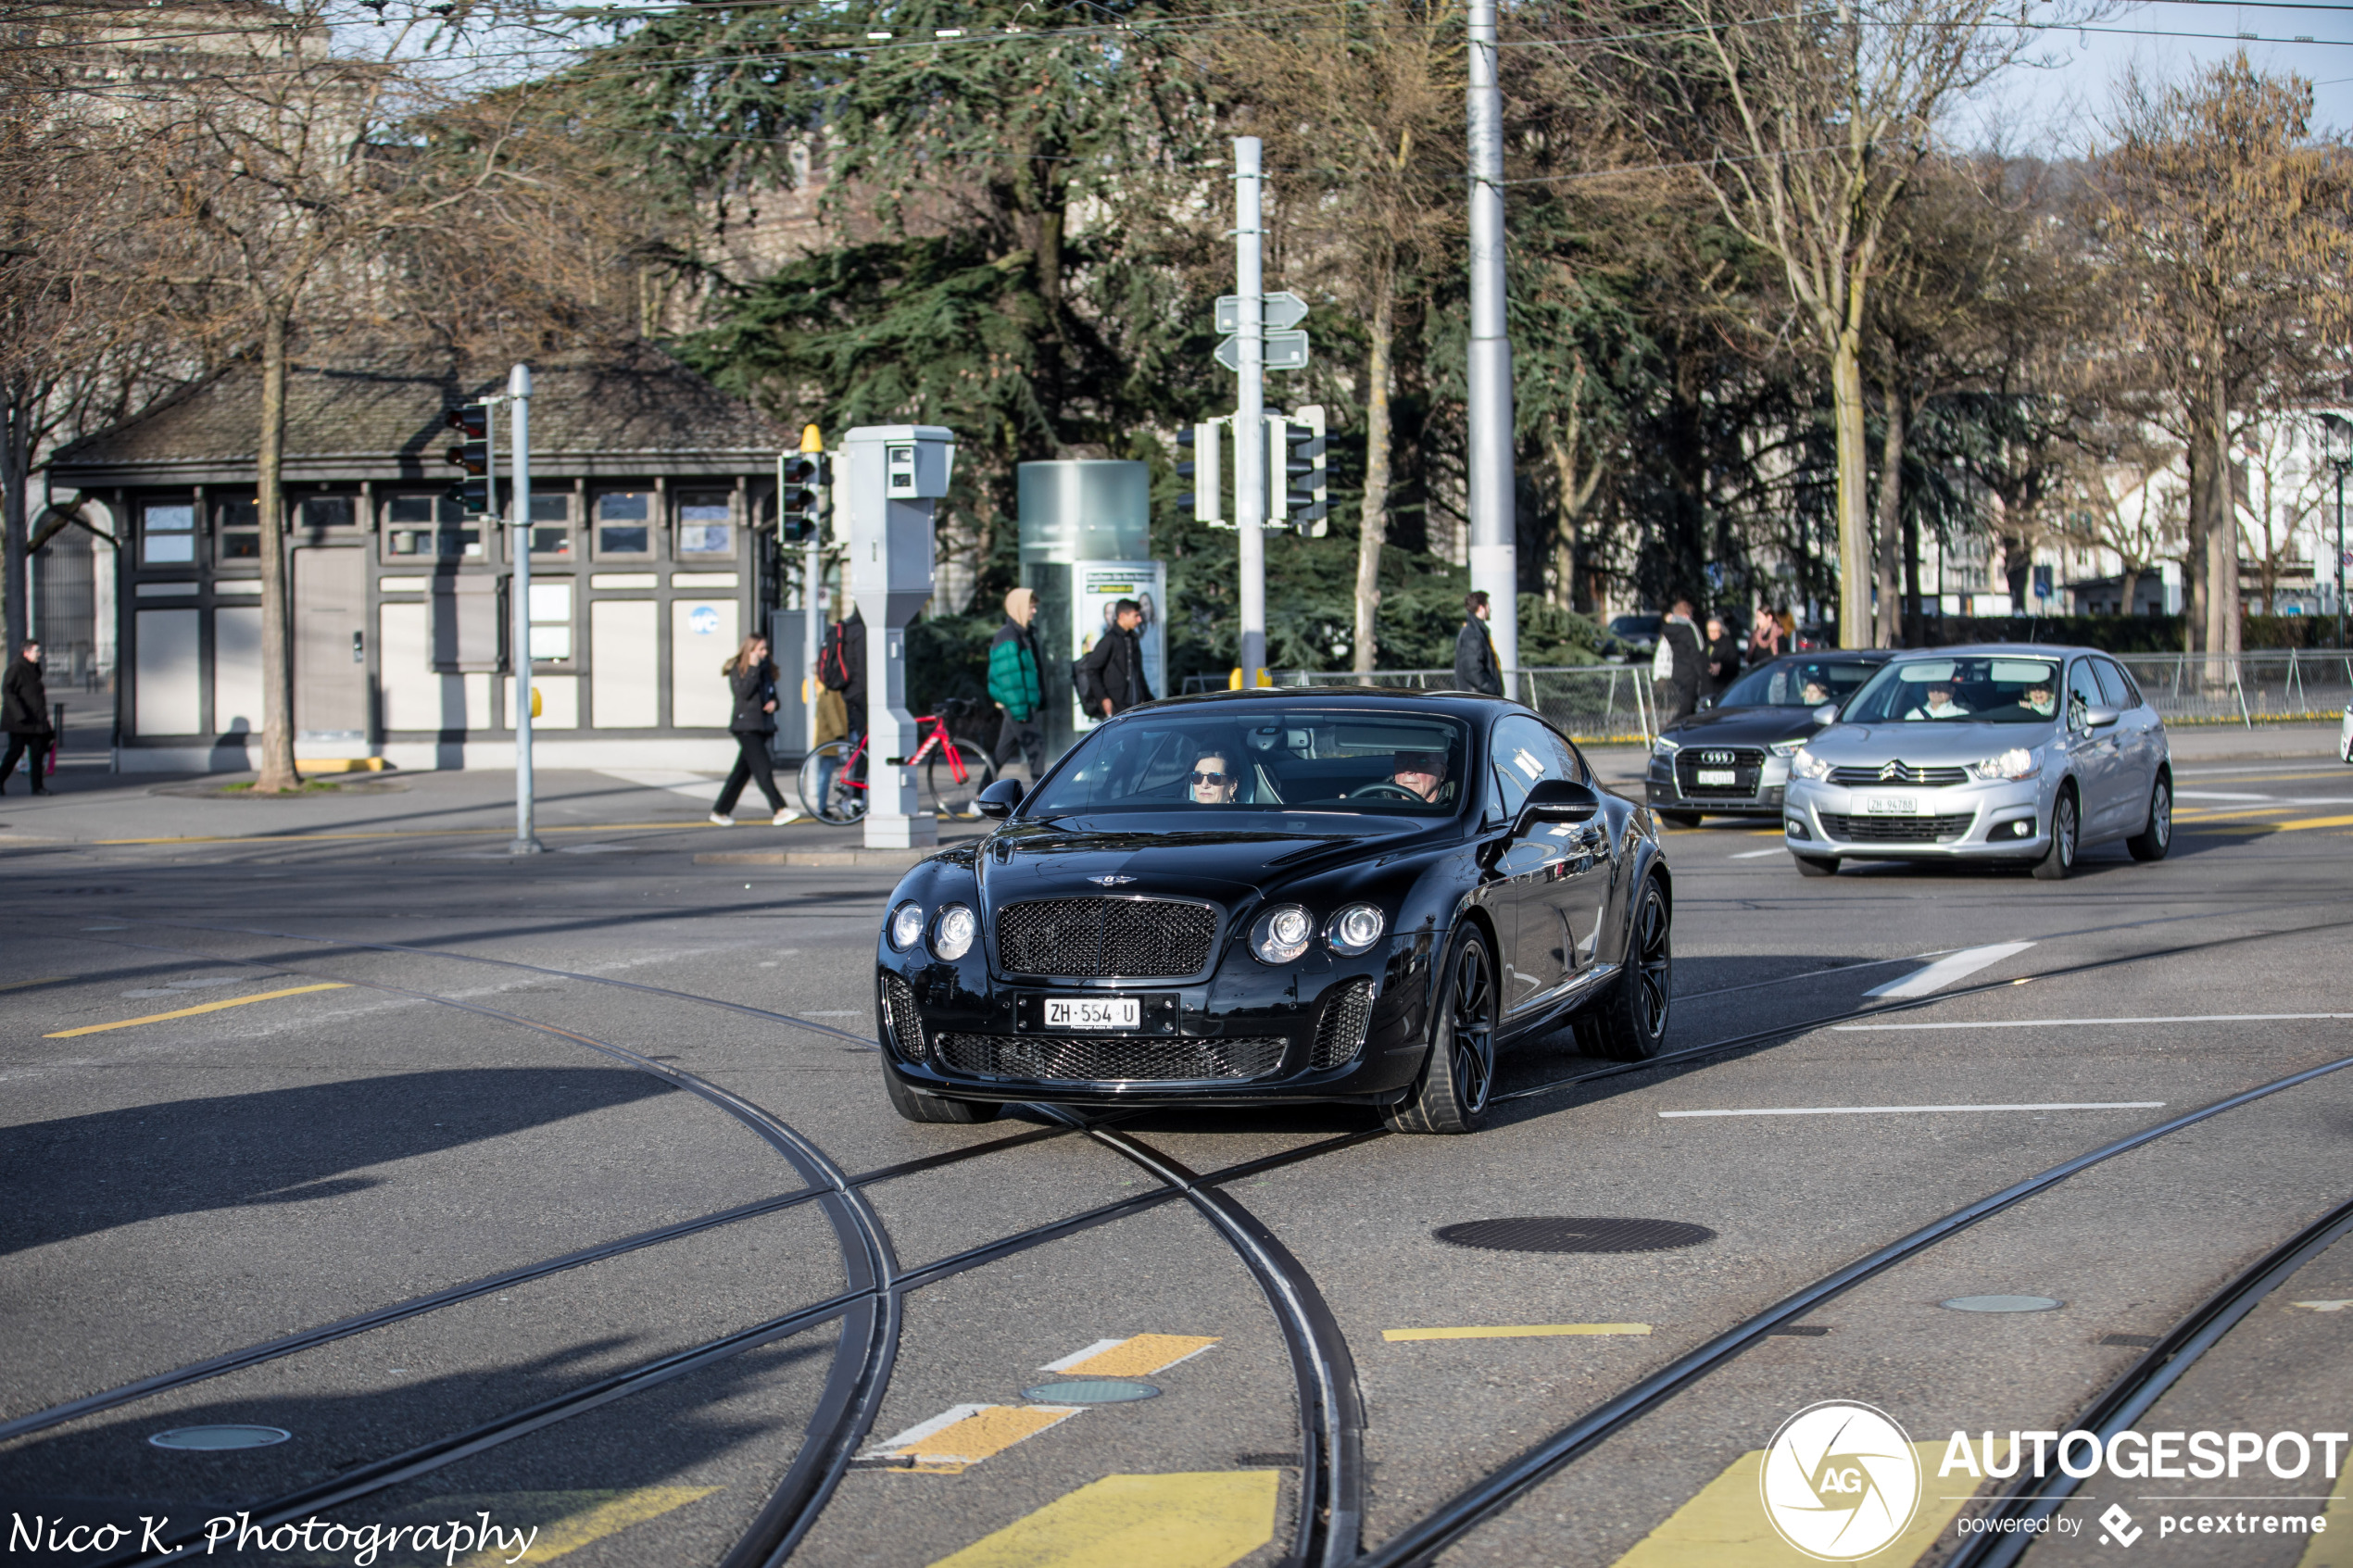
(1093, 1012)
(1892, 806)
(1717, 776)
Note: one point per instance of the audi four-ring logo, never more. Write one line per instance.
(1715, 757)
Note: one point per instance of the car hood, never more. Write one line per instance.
(1063, 860)
(1742, 726)
(1923, 743)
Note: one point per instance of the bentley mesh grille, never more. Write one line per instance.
(1342, 1033)
(1088, 939)
(1054, 1059)
(906, 1020)
(1899, 773)
(1896, 829)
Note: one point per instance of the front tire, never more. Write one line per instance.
(1452, 1094)
(2152, 842)
(917, 1107)
(1815, 865)
(1627, 1022)
(2059, 861)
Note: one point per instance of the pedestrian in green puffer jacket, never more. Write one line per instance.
(1015, 687)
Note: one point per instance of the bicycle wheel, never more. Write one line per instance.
(827, 792)
(949, 796)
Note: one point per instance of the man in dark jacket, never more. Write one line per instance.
(1678, 666)
(1723, 660)
(1014, 685)
(1475, 666)
(1110, 678)
(24, 713)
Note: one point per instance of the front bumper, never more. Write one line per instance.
(1761, 792)
(2001, 821)
(1327, 1029)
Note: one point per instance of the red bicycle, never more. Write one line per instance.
(833, 782)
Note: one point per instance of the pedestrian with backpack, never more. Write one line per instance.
(752, 677)
(841, 667)
(1015, 686)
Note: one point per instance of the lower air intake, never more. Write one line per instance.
(906, 1020)
(1048, 1059)
(1342, 1033)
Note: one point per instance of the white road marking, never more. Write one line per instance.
(1753, 854)
(1948, 969)
(2216, 795)
(2090, 1022)
(696, 786)
(2337, 1306)
(1917, 1110)
(1089, 1353)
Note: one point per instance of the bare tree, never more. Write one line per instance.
(2123, 494)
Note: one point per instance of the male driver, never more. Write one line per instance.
(1424, 772)
(1213, 782)
(1940, 705)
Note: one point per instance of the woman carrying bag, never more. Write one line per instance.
(753, 679)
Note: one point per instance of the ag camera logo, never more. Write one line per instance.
(1840, 1481)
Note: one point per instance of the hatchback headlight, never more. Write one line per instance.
(1282, 934)
(2016, 763)
(1786, 747)
(906, 925)
(952, 936)
(1806, 765)
(1355, 929)
(1662, 746)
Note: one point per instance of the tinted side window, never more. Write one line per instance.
(2116, 685)
(1525, 751)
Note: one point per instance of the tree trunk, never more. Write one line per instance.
(277, 673)
(2132, 586)
(2194, 549)
(15, 475)
(2221, 533)
(1915, 613)
(1373, 530)
(1890, 507)
(1854, 517)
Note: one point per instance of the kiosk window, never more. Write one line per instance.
(551, 526)
(706, 526)
(238, 526)
(624, 524)
(551, 621)
(328, 511)
(429, 528)
(168, 533)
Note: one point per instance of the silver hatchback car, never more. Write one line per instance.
(2024, 753)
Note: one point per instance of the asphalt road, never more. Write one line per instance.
(274, 1066)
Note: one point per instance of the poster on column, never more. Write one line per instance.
(1100, 586)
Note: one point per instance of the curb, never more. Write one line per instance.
(897, 858)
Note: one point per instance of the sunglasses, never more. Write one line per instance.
(1201, 778)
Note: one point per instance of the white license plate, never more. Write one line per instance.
(1724, 776)
(1892, 806)
(1093, 1012)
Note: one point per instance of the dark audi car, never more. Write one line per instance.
(1256, 898)
(1733, 760)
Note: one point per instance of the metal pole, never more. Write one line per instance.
(1494, 531)
(2340, 555)
(518, 397)
(1250, 411)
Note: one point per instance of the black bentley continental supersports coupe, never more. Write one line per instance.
(1258, 898)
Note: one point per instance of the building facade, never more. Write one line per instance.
(653, 554)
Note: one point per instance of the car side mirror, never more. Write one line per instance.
(998, 800)
(2101, 718)
(1826, 714)
(1559, 800)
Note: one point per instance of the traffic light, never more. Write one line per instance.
(474, 493)
(1305, 504)
(1207, 495)
(801, 510)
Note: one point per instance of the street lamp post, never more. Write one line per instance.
(2337, 439)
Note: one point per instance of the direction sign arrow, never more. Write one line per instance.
(1285, 351)
(1281, 310)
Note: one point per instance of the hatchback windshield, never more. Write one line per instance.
(1980, 689)
(1203, 764)
(1797, 683)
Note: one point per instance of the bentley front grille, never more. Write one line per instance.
(1065, 1059)
(1094, 938)
(1899, 773)
(906, 1020)
(1342, 1033)
(1896, 829)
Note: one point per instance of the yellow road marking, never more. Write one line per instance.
(191, 1012)
(44, 980)
(952, 1443)
(2316, 823)
(1138, 1356)
(1725, 1526)
(1203, 1519)
(406, 832)
(2328, 1551)
(1516, 1331)
(606, 1518)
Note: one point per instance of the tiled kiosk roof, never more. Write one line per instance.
(611, 413)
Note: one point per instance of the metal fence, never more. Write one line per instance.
(1595, 703)
(2248, 688)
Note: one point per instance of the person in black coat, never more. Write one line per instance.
(1110, 678)
(1723, 660)
(1677, 668)
(24, 713)
(752, 678)
(1475, 666)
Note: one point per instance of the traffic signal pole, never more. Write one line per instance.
(519, 405)
(1249, 418)
(1494, 532)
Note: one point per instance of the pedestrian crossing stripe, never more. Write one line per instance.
(1139, 1355)
(1208, 1519)
(962, 1435)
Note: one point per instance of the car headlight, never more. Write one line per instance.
(1786, 747)
(1806, 765)
(1282, 934)
(952, 936)
(1662, 746)
(1355, 929)
(906, 925)
(2016, 763)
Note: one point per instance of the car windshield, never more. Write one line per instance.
(1979, 689)
(1637, 625)
(1203, 764)
(1798, 683)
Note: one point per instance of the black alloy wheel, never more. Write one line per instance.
(1627, 1022)
(916, 1106)
(2154, 840)
(1455, 1081)
(2060, 858)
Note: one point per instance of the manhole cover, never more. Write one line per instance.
(1090, 1392)
(2002, 1304)
(1542, 1234)
(210, 1437)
